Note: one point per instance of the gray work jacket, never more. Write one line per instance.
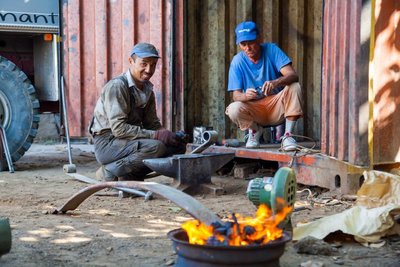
(125, 110)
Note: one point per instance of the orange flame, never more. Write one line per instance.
(242, 231)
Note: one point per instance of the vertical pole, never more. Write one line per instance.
(371, 94)
(3, 140)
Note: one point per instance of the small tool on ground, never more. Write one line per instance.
(231, 142)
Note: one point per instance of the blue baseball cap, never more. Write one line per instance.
(246, 31)
(144, 50)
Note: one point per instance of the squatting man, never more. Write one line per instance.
(125, 127)
(264, 87)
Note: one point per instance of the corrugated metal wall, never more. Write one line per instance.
(359, 109)
(344, 106)
(296, 26)
(386, 83)
(98, 37)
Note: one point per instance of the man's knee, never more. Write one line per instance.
(153, 148)
(295, 88)
(234, 109)
(133, 162)
(294, 99)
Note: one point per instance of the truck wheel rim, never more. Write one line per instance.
(4, 110)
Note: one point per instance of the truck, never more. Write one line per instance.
(30, 70)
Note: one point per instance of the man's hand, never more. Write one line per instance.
(251, 94)
(182, 137)
(289, 76)
(267, 87)
(167, 137)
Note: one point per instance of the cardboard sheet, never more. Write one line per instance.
(378, 201)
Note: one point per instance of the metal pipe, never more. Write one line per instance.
(82, 178)
(6, 149)
(172, 66)
(210, 138)
(64, 105)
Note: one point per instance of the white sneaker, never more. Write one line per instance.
(253, 138)
(288, 143)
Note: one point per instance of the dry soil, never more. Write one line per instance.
(110, 231)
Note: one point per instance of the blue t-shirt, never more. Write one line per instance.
(245, 74)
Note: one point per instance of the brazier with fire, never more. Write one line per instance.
(239, 241)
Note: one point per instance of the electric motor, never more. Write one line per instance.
(266, 190)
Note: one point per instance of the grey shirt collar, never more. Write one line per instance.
(141, 96)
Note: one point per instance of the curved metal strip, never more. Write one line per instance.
(183, 200)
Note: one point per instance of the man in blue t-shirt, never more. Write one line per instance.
(264, 87)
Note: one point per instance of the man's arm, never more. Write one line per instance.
(289, 76)
(250, 94)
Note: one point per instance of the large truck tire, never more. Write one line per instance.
(19, 110)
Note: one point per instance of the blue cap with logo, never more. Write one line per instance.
(144, 50)
(246, 31)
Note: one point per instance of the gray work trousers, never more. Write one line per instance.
(124, 157)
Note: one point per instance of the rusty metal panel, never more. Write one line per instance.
(296, 26)
(345, 81)
(97, 39)
(386, 83)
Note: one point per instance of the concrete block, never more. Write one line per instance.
(243, 170)
(48, 130)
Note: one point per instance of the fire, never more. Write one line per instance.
(239, 230)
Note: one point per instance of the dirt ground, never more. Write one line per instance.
(110, 231)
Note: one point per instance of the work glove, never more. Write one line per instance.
(182, 137)
(167, 137)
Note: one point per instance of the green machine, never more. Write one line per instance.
(5, 236)
(267, 190)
